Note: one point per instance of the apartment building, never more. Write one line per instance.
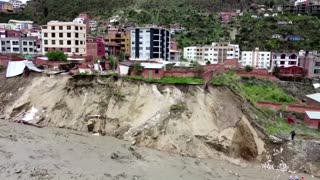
(119, 39)
(18, 45)
(215, 53)
(6, 7)
(190, 53)
(311, 64)
(284, 60)
(83, 18)
(96, 47)
(68, 37)
(256, 58)
(93, 25)
(20, 25)
(150, 43)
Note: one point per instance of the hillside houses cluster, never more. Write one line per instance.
(11, 6)
(141, 44)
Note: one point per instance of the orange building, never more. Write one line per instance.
(119, 37)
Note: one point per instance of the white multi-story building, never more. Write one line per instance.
(150, 43)
(93, 25)
(15, 4)
(256, 58)
(19, 25)
(18, 45)
(284, 59)
(69, 37)
(215, 54)
(190, 53)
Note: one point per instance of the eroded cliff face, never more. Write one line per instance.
(173, 118)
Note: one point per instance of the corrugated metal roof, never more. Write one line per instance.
(313, 114)
(152, 65)
(315, 96)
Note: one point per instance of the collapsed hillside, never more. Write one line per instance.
(180, 119)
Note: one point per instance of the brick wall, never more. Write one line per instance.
(312, 102)
(155, 75)
(301, 108)
(311, 123)
(271, 105)
(257, 75)
(180, 73)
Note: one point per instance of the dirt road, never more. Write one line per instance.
(31, 153)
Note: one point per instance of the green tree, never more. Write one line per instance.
(276, 70)
(113, 62)
(208, 62)
(56, 56)
(122, 56)
(137, 67)
(248, 68)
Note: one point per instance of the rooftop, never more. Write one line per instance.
(315, 96)
(313, 114)
(152, 65)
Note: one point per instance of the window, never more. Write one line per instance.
(157, 71)
(3, 42)
(45, 42)
(45, 34)
(60, 42)
(25, 43)
(317, 71)
(53, 35)
(46, 49)
(80, 28)
(77, 50)
(15, 49)
(283, 56)
(30, 43)
(61, 35)
(53, 28)
(293, 56)
(68, 49)
(68, 35)
(53, 42)
(282, 62)
(77, 35)
(25, 49)
(15, 42)
(30, 49)
(3, 49)
(317, 64)
(147, 48)
(81, 42)
(60, 28)
(292, 62)
(44, 27)
(68, 42)
(68, 27)
(77, 28)
(77, 42)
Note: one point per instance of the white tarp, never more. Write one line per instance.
(16, 68)
(316, 85)
(124, 70)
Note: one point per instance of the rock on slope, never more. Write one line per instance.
(179, 119)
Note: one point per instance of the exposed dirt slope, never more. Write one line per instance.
(172, 118)
(179, 119)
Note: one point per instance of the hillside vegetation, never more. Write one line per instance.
(258, 33)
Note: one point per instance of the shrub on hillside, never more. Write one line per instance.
(56, 56)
